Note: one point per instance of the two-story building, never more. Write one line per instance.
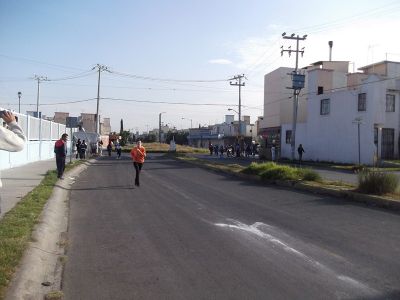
(349, 116)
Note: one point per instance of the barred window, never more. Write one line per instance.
(390, 103)
(325, 107)
(362, 102)
(288, 136)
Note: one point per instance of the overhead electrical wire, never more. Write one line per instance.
(80, 75)
(166, 79)
(167, 102)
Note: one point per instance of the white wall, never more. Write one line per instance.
(33, 151)
(301, 138)
(334, 137)
(41, 136)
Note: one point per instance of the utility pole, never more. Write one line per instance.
(99, 68)
(159, 125)
(239, 83)
(38, 79)
(298, 81)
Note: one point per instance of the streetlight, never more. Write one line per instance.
(159, 125)
(191, 122)
(19, 102)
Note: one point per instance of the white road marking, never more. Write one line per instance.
(254, 229)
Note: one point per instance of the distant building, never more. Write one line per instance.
(88, 122)
(34, 114)
(60, 117)
(105, 126)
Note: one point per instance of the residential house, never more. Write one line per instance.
(349, 117)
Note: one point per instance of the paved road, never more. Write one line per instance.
(187, 233)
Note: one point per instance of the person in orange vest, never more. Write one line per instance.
(138, 154)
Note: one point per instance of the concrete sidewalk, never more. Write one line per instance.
(19, 181)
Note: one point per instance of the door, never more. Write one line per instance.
(387, 143)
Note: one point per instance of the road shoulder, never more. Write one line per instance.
(40, 270)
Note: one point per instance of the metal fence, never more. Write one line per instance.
(41, 135)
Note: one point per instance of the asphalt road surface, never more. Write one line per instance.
(189, 233)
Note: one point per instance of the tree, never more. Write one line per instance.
(179, 137)
(122, 127)
(125, 136)
(149, 138)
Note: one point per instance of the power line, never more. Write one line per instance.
(39, 62)
(168, 102)
(164, 79)
(80, 75)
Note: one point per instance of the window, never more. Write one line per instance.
(320, 90)
(362, 102)
(288, 136)
(325, 106)
(390, 101)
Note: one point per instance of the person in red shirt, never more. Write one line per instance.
(60, 149)
(138, 154)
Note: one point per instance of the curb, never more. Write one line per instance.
(40, 269)
(346, 195)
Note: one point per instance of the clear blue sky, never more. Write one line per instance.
(179, 40)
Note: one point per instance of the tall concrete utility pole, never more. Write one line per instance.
(239, 83)
(99, 68)
(298, 81)
(38, 79)
(159, 126)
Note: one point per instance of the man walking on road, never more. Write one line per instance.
(12, 139)
(138, 154)
(60, 149)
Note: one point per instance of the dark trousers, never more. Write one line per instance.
(138, 167)
(60, 161)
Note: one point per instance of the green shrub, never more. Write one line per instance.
(257, 169)
(272, 171)
(309, 175)
(280, 173)
(377, 182)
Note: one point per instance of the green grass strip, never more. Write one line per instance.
(17, 225)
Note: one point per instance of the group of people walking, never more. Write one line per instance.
(81, 148)
(118, 149)
(233, 151)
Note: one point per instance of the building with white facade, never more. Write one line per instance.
(278, 108)
(336, 101)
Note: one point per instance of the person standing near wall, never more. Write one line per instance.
(300, 150)
(60, 149)
(12, 138)
(78, 148)
(138, 154)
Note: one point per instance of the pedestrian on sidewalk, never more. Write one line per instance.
(83, 148)
(12, 138)
(109, 148)
(78, 148)
(300, 150)
(138, 154)
(60, 149)
(273, 152)
(118, 148)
